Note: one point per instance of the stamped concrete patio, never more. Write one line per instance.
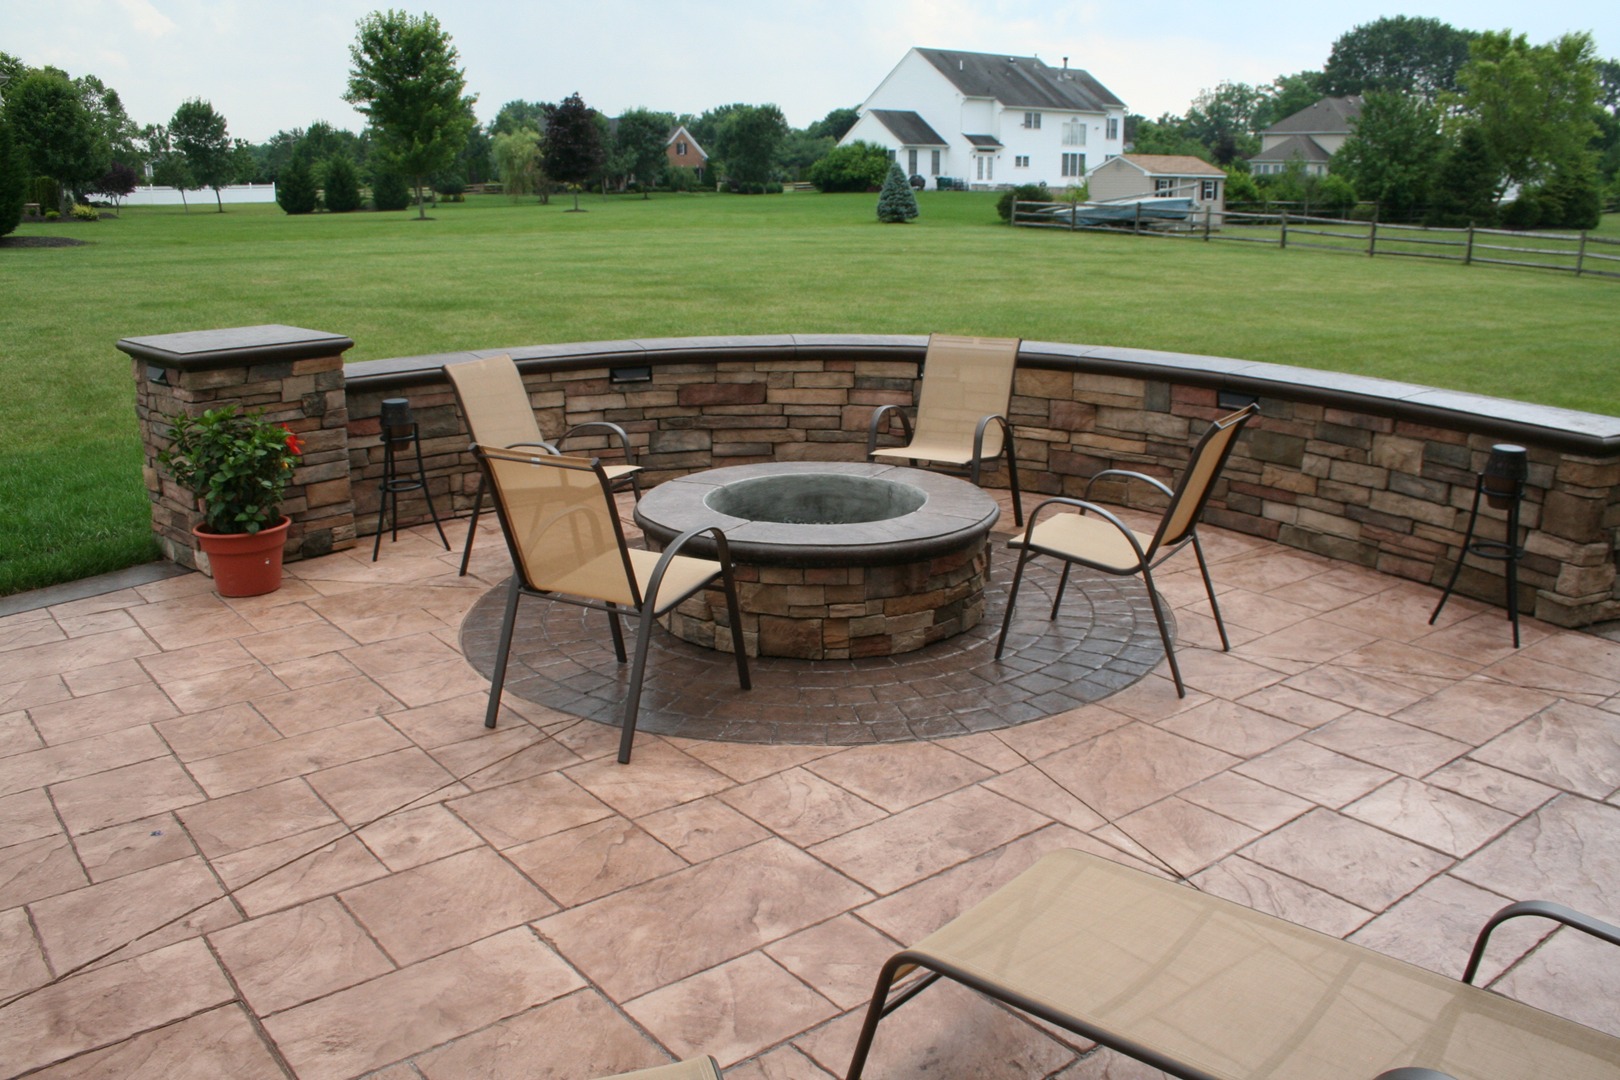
(270, 837)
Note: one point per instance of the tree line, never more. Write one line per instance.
(1452, 122)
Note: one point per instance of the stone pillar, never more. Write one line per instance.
(296, 377)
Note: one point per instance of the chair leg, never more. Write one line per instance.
(1209, 587)
(498, 680)
(1164, 631)
(617, 631)
(1063, 583)
(472, 526)
(881, 1006)
(632, 699)
(1012, 598)
(734, 613)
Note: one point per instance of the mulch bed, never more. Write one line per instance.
(39, 241)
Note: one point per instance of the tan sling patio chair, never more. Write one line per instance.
(703, 1068)
(961, 410)
(495, 404)
(1097, 538)
(1206, 989)
(560, 522)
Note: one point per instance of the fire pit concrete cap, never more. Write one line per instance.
(953, 515)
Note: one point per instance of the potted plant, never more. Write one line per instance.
(238, 465)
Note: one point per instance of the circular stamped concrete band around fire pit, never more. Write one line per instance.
(834, 560)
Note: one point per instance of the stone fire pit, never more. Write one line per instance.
(834, 559)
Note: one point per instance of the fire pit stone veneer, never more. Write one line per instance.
(834, 560)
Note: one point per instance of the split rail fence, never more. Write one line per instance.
(1583, 253)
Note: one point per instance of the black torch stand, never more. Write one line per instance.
(1502, 485)
(399, 432)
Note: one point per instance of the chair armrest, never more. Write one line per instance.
(978, 432)
(877, 419)
(1413, 1072)
(545, 446)
(1544, 909)
(614, 431)
(1163, 488)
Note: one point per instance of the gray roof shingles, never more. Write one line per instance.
(908, 127)
(1021, 81)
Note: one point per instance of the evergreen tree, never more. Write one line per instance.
(295, 187)
(342, 185)
(389, 188)
(1464, 191)
(897, 203)
(13, 179)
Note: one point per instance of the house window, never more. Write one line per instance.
(1207, 190)
(935, 165)
(680, 149)
(1113, 127)
(1074, 133)
(911, 163)
(1032, 120)
(894, 155)
(1164, 187)
(1074, 164)
(1021, 161)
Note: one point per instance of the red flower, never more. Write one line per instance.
(293, 442)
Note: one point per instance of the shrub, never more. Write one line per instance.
(1523, 212)
(897, 203)
(342, 185)
(860, 166)
(680, 178)
(389, 190)
(295, 187)
(452, 185)
(81, 212)
(1332, 194)
(52, 215)
(1021, 193)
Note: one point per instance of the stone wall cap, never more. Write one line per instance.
(203, 350)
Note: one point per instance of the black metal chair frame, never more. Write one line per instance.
(647, 606)
(971, 472)
(633, 481)
(1153, 555)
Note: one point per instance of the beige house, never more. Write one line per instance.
(1312, 136)
(1168, 176)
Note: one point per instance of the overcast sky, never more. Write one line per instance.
(269, 65)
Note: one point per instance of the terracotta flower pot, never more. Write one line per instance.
(245, 564)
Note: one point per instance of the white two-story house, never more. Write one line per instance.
(991, 120)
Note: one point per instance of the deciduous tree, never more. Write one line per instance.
(1224, 121)
(517, 156)
(1534, 104)
(835, 125)
(58, 136)
(13, 178)
(572, 150)
(168, 165)
(1391, 155)
(405, 80)
(199, 133)
(1397, 54)
(747, 141)
(638, 145)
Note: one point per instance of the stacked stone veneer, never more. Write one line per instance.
(838, 612)
(1364, 470)
(296, 377)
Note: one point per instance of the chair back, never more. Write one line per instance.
(964, 380)
(1198, 482)
(559, 519)
(494, 401)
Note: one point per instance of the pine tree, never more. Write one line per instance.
(295, 187)
(896, 202)
(342, 185)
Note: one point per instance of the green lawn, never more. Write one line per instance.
(489, 273)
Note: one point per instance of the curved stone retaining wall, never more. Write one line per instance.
(1365, 470)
